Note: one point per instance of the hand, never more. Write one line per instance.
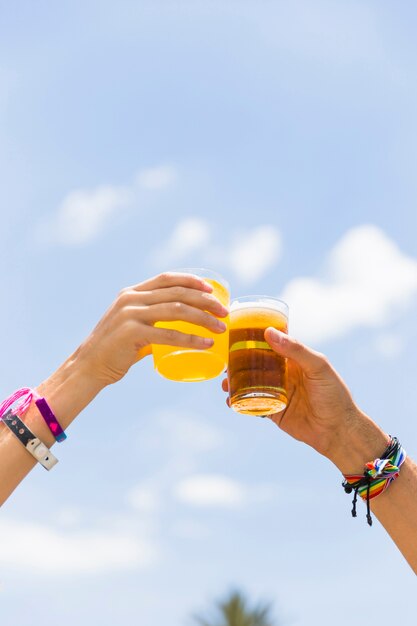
(121, 338)
(125, 333)
(320, 409)
(322, 413)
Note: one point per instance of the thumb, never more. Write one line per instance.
(312, 363)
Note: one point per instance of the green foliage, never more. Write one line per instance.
(234, 610)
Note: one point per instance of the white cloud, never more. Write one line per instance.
(367, 281)
(208, 490)
(190, 235)
(214, 490)
(175, 430)
(145, 498)
(389, 345)
(45, 550)
(248, 256)
(156, 177)
(85, 213)
(254, 253)
(181, 440)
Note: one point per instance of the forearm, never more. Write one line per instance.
(122, 337)
(67, 391)
(396, 508)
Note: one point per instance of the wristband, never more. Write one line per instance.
(23, 398)
(33, 444)
(50, 419)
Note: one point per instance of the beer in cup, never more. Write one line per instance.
(257, 375)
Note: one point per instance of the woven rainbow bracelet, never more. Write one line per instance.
(377, 476)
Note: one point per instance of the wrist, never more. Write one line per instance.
(359, 441)
(68, 391)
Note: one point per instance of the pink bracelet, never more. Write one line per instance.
(25, 396)
(14, 397)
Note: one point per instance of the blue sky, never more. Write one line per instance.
(274, 142)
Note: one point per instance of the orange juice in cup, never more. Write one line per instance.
(189, 364)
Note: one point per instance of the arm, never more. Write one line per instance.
(322, 414)
(122, 337)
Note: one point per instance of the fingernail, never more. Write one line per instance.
(221, 325)
(221, 310)
(207, 287)
(207, 341)
(275, 335)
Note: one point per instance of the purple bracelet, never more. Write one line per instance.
(50, 419)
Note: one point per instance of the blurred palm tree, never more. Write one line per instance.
(234, 610)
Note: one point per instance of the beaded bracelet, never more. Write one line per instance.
(377, 476)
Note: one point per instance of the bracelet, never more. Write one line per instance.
(33, 444)
(50, 419)
(377, 476)
(25, 397)
(22, 398)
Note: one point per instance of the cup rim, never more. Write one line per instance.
(203, 272)
(257, 300)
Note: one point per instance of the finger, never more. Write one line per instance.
(173, 279)
(311, 362)
(192, 297)
(225, 385)
(145, 351)
(178, 311)
(170, 337)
